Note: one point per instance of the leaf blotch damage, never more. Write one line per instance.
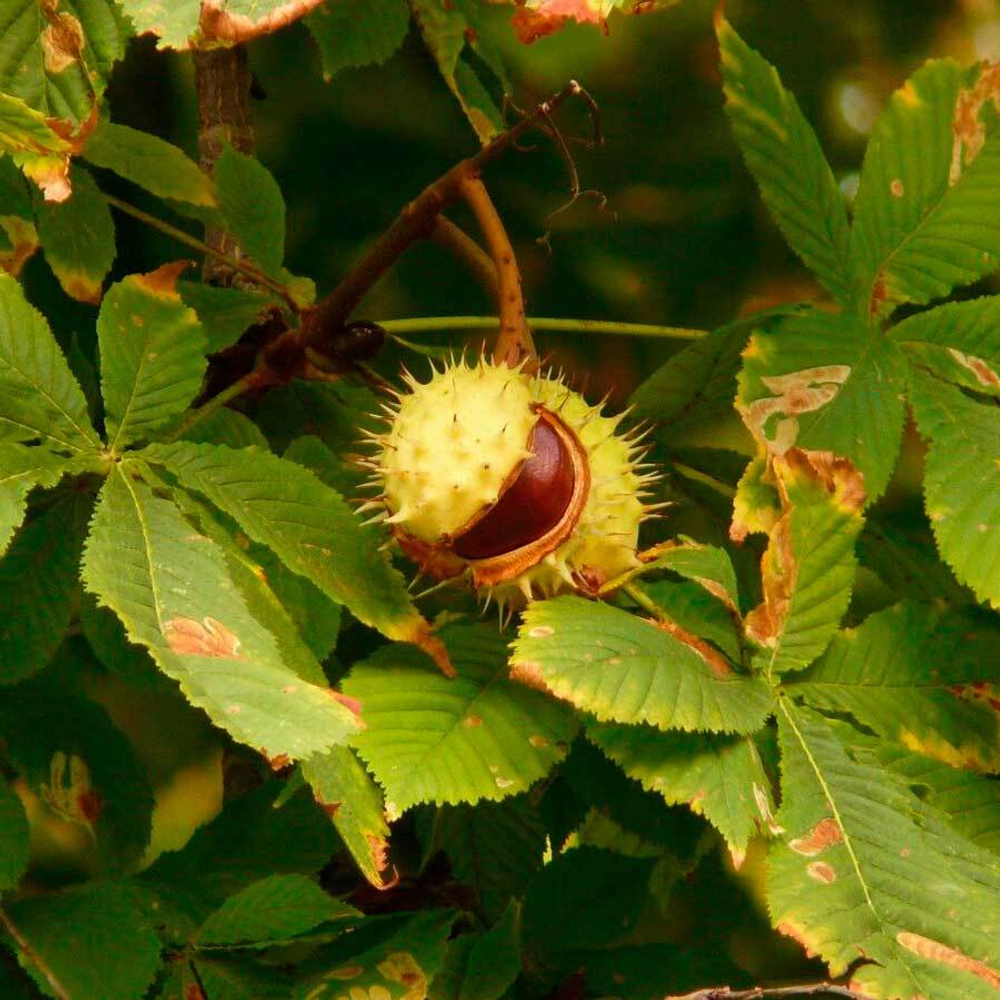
(163, 281)
(967, 126)
(824, 834)
(984, 374)
(821, 872)
(62, 40)
(717, 663)
(794, 393)
(401, 967)
(211, 638)
(935, 951)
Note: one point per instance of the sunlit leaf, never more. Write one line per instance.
(783, 154)
(431, 739)
(36, 146)
(21, 469)
(170, 586)
(627, 669)
(174, 24)
(866, 868)
(152, 355)
(919, 677)
(962, 480)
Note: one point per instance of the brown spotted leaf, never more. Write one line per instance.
(926, 679)
(866, 869)
(171, 587)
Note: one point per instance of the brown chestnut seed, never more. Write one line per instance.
(530, 507)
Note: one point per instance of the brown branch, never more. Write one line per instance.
(415, 222)
(223, 81)
(469, 253)
(514, 343)
(775, 993)
(24, 946)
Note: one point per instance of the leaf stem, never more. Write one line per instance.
(252, 380)
(775, 992)
(643, 600)
(58, 990)
(428, 324)
(201, 246)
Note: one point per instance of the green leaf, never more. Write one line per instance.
(39, 581)
(866, 868)
(431, 739)
(393, 958)
(566, 905)
(693, 608)
(354, 802)
(444, 32)
(708, 566)
(170, 586)
(228, 427)
(925, 194)
(78, 237)
(81, 766)
(275, 910)
(39, 398)
(481, 967)
(15, 196)
(92, 938)
(826, 382)
(623, 668)
(21, 469)
(249, 840)
(917, 676)
(149, 161)
(58, 61)
(969, 802)
(224, 312)
(152, 356)
(14, 833)
(808, 568)
(358, 32)
(962, 480)
(253, 207)
(721, 777)
(240, 979)
(785, 158)
(494, 847)
(307, 525)
(175, 24)
(959, 341)
(35, 146)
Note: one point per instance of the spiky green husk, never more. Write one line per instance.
(456, 440)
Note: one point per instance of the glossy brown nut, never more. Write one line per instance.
(530, 507)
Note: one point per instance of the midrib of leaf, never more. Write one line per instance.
(133, 393)
(848, 841)
(147, 548)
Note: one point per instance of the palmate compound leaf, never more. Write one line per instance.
(959, 341)
(431, 739)
(961, 480)
(77, 762)
(386, 958)
(308, 526)
(39, 583)
(808, 567)
(924, 678)
(171, 587)
(93, 938)
(39, 397)
(354, 803)
(785, 158)
(152, 355)
(623, 668)
(78, 238)
(721, 777)
(275, 910)
(826, 382)
(358, 32)
(867, 871)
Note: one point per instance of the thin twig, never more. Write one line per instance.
(252, 380)
(644, 601)
(415, 222)
(253, 273)
(429, 324)
(58, 990)
(775, 992)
